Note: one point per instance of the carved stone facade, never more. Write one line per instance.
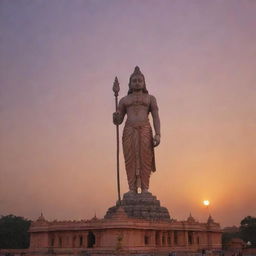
(120, 233)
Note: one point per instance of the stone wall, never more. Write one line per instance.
(122, 232)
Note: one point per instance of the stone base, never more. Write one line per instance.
(140, 206)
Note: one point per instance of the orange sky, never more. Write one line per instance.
(58, 62)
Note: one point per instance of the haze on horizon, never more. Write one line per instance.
(57, 66)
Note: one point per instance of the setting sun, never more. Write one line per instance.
(206, 202)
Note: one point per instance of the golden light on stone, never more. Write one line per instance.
(206, 202)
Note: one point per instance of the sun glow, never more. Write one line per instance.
(206, 202)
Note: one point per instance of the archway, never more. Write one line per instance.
(90, 240)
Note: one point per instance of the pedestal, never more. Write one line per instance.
(141, 206)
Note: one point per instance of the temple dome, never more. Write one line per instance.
(41, 218)
(210, 219)
(190, 218)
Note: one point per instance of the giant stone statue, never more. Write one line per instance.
(138, 142)
(138, 149)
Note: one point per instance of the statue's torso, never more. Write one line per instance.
(137, 107)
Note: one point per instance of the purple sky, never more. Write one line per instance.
(57, 66)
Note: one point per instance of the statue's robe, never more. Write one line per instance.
(138, 152)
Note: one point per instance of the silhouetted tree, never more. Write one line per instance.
(14, 232)
(227, 236)
(248, 230)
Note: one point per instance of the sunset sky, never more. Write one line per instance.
(58, 60)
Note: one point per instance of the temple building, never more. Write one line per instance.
(118, 231)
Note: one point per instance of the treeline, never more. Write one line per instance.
(14, 232)
(246, 231)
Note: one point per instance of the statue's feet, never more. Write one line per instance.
(144, 191)
(132, 191)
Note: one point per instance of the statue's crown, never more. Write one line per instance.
(136, 71)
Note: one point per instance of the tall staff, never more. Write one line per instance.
(116, 89)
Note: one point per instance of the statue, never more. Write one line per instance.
(138, 141)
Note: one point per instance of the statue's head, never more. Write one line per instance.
(137, 81)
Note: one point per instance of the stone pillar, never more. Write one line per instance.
(197, 240)
(185, 238)
(55, 244)
(176, 237)
(166, 238)
(153, 238)
(160, 238)
(163, 239)
(172, 238)
(157, 238)
(204, 239)
(74, 240)
(194, 239)
(169, 241)
(209, 239)
(85, 234)
(181, 238)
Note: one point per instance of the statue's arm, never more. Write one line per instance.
(156, 120)
(119, 115)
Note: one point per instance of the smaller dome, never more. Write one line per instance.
(41, 218)
(190, 218)
(41, 221)
(94, 218)
(210, 219)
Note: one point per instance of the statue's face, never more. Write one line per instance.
(137, 82)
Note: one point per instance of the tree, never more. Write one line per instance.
(248, 230)
(14, 232)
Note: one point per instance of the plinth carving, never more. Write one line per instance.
(141, 206)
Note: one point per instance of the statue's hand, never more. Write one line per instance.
(156, 140)
(117, 118)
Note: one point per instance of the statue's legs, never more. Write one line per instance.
(139, 155)
(146, 156)
(129, 157)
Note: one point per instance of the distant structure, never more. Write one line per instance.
(236, 245)
(232, 229)
(137, 224)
